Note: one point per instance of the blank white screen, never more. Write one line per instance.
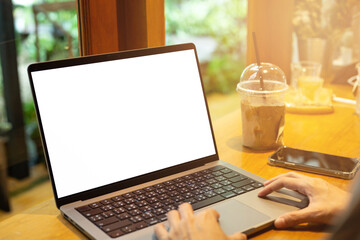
(109, 121)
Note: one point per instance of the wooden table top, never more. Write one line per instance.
(337, 133)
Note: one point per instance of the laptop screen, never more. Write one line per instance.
(109, 121)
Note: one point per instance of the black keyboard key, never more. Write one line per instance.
(141, 203)
(190, 200)
(168, 201)
(129, 200)
(160, 190)
(159, 211)
(108, 214)
(92, 212)
(162, 218)
(226, 170)
(95, 205)
(138, 192)
(140, 225)
(178, 180)
(116, 225)
(248, 188)
(83, 208)
(257, 185)
(149, 189)
(220, 178)
(200, 197)
(168, 183)
(162, 197)
(239, 191)
(192, 187)
(216, 185)
(117, 198)
(157, 205)
(217, 173)
(169, 208)
(124, 216)
(131, 207)
(160, 185)
(116, 233)
(211, 181)
(237, 178)
(225, 182)
(178, 198)
(148, 215)
(216, 168)
(135, 212)
(173, 194)
(96, 218)
(199, 179)
(181, 185)
(128, 229)
(152, 200)
(128, 195)
(151, 194)
(219, 190)
(106, 221)
(210, 194)
(187, 177)
(171, 188)
(151, 221)
(136, 219)
(202, 184)
(242, 183)
(183, 190)
(118, 204)
(140, 197)
(188, 195)
(207, 202)
(119, 210)
(231, 174)
(106, 201)
(228, 188)
(228, 194)
(107, 208)
(146, 209)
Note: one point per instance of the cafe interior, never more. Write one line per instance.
(275, 73)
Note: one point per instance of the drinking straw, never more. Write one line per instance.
(258, 62)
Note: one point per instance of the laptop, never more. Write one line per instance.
(128, 137)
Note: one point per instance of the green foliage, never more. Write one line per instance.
(53, 43)
(222, 20)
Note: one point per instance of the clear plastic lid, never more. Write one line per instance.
(264, 79)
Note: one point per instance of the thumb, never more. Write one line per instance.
(237, 236)
(293, 218)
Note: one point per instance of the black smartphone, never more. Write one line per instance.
(315, 162)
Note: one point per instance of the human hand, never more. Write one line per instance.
(325, 200)
(185, 225)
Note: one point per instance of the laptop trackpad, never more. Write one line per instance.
(238, 217)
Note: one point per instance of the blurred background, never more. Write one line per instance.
(327, 31)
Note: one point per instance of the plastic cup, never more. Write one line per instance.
(355, 82)
(305, 76)
(262, 106)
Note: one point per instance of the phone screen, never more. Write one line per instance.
(315, 159)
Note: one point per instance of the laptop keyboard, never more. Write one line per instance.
(135, 210)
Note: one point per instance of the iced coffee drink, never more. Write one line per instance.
(262, 106)
(262, 125)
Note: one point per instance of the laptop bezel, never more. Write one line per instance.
(135, 180)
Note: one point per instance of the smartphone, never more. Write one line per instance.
(315, 162)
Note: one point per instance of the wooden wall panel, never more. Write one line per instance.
(113, 25)
(271, 20)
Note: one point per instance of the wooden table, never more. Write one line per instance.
(337, 133)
